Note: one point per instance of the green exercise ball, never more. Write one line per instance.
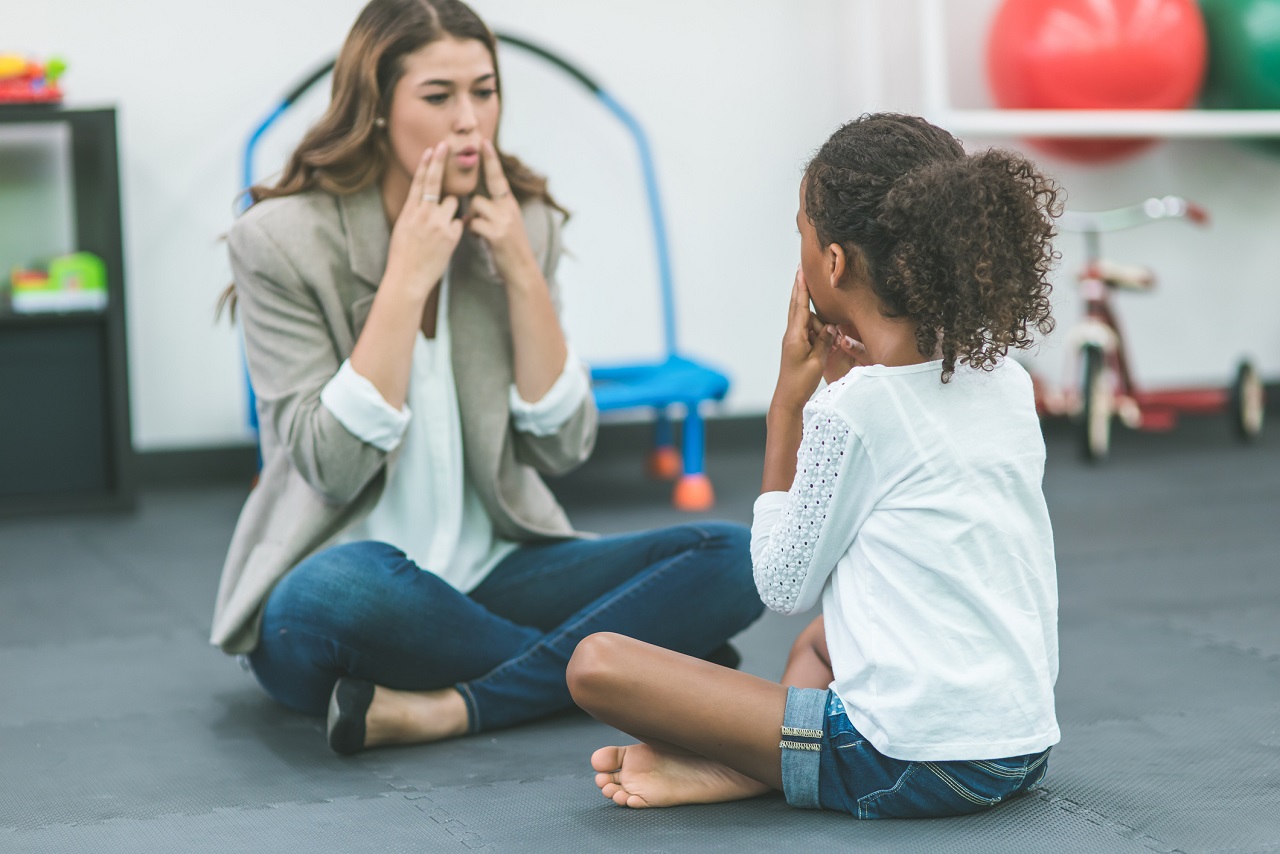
(1244, 57)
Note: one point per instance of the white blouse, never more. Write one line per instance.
(917, 516)
(429, 508)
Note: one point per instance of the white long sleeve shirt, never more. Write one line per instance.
(918, 517)
(429, 508)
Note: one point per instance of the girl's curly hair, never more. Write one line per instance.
(961, 244)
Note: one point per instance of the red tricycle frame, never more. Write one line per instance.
(1107, 388)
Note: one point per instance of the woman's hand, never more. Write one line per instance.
(805, 350)
(498, 220)
(422, 243)
(426, 232)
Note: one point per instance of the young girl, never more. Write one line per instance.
(906, 496)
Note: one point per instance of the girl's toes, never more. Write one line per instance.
(607, 759)
(610, 789)
(621, 797)
(603, 779)
(636, 802)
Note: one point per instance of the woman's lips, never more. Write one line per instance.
(467, 158)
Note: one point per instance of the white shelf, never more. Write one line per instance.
(1186, 124)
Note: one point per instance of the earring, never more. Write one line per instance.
(380, 122)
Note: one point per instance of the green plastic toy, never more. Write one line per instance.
(76, 282)
(1244, 57)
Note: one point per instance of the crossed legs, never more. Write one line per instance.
(708, 734)
(441, 663)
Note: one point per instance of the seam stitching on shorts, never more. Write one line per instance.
(867, 800)
(998, 770)
(959, 789)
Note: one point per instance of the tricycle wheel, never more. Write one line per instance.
(1099, 405)
(1248, 403)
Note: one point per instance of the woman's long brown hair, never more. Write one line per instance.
(345, 151)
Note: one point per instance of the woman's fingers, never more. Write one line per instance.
(495, 180)
(432, 189)
(448, 207)
(418, 184)
(480, 217)
(481, 207)
(497, 219)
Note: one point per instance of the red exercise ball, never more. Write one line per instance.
(1096, 55)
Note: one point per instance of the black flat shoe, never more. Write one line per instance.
(725, 655)
(348, 705)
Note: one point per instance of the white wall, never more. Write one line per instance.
(735, 95)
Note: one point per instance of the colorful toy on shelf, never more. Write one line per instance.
(1096, 55)
(1107, 389)
(1244, 57)
(23, 81)
(76, 282)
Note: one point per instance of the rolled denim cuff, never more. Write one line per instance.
(802, 737)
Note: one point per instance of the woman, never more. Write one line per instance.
(400, 564)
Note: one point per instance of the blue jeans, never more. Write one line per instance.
(365, 610)
(828, 764)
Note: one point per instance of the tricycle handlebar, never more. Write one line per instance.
(1169, 207)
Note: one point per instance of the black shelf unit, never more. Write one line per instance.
(65, 437)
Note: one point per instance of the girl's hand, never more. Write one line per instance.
(426, 232)
(498, 220)
(805, 348)
(847, 354)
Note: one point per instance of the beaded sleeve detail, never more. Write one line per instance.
(786, 559)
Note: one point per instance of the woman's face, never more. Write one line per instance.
(448, 92)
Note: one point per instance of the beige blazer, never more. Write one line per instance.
(306, 269)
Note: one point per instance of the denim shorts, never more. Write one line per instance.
(828, 764)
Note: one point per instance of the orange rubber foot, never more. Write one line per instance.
(664, 463)
(694, 493)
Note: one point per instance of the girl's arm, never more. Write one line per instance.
(806, 347)
(802, 472)
(798, 536)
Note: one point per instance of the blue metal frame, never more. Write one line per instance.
(656, 217)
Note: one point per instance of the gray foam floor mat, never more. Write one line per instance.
(121, 730)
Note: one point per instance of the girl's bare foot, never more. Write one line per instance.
(640, 775)
(413, 717)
